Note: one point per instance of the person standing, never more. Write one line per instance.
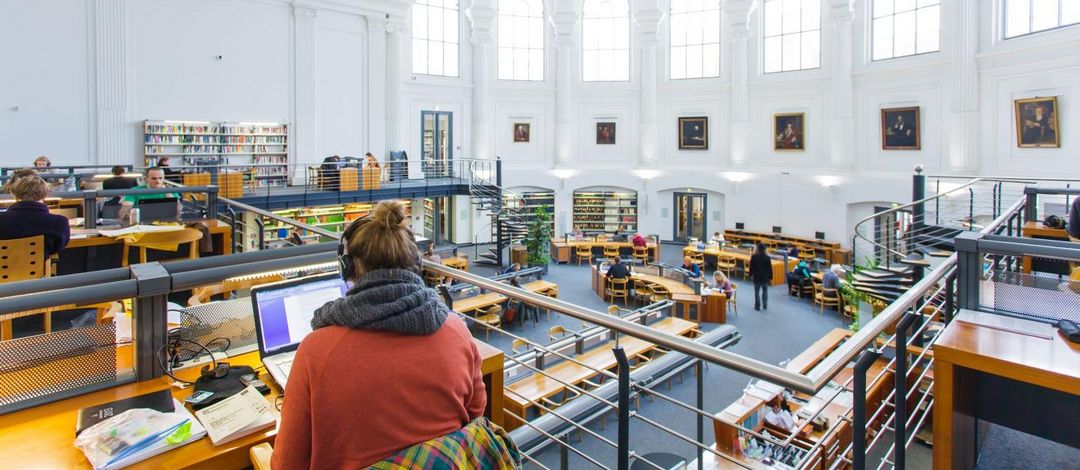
(761, 274)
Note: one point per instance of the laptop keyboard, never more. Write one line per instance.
(285, 365)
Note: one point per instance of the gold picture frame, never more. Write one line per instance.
(901, 128)
(1037, 122)
(694, 133)
(522, 131)
(793, 139)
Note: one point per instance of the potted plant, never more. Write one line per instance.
(538, 238)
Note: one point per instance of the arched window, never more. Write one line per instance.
(906, 27)
(521, 40)
(1030, 16)
(605, 48)
(792, 35)
(435, 37)
(695, 39)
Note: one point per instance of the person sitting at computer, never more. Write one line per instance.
(155, 179)
(800, 276)
(171, 174)
(778, 415)
(30, 217)
(513, 268)
(618, 269)
(692, 267)
(717, 238)
(117, 181)
(385, 367)
(830, 281)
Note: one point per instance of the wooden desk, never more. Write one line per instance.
(779, 269)
(525, 393)
(811, 356)
(457, 262)
(488, 299)
(562, 251)
(97, 252)
(42, 437)
(977, 353)
(1036, 229)
(713, 308)
(831, 251)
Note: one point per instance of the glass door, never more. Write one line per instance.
(436, 142)
(690, 209)
(437, 219)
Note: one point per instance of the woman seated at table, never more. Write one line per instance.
(639, 241)
(419, 377)
(778, 415)
(689, 265)
(722, 283)
(30, 217)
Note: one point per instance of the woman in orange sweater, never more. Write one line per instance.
(387, 367)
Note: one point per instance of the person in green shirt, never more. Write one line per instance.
(155, 178)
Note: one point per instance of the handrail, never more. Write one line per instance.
(265, 213)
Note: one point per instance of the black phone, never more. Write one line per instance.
(253, 380)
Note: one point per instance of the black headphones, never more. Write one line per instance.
(1054, 221)
(346, 266)
(215, 371)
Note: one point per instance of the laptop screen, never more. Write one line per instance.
(283, 311)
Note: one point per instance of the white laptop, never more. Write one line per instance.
(283, 313)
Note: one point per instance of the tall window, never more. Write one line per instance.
(1030, 16)
(605, 49)
(435, 37)
(906, 27)
(521, 40)
(792, 35)
(695, 39)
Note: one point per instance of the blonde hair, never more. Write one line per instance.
(720, 277)
(15, 175)
(29, 188)
(383, 239)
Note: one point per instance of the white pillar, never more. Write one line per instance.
(482, 16)
(111, 76)
(963, 136)
(304, 140)
(735, 13)
(842, 102)
(647, 18)
(564, 20)
(376, 85)
(397, 61)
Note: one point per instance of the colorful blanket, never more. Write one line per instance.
(478, 445)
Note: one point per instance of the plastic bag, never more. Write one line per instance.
(128, 433)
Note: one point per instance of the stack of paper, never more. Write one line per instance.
(141, 444)
(236, 416)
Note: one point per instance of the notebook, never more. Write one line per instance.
(160, 400)
(236, 416)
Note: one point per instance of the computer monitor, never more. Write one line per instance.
(151, 210)
(739, 226)
(775, 229)
(819, 235)
(283, 310)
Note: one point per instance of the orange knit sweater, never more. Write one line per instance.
(358, 396)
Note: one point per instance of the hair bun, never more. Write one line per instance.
(389, 214)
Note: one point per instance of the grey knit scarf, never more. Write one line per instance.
(386, 299)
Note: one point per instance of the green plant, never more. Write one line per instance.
(538, 239)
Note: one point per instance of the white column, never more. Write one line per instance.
(647, 18)
(304, 139)
(482, 16)
(397, 125)
(376, 85)
(111, 76)
(736, 14)
(842, 101)
(564, 20)
(963, 136)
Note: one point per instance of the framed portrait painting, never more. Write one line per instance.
(790, 131)
(694, 133)
(605, 133)
(521, 131)
(900, 128)
(1037, 124)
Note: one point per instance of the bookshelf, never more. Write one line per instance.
(429, 218)
(604, 211)
(333, 218)
(532, 200)
(260, 150)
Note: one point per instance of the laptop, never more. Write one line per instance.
(164, 209)
(283, 313)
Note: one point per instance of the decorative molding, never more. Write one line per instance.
(965, 65)
(305, 13)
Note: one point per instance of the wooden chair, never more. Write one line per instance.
(851, 309)
(641, 253)
(432, 278)
(824, 301)
(583, 252)
(22, 259)
(660, 291)
(807, 253)
(617, 288)
(519, 346)
(204, 294)
(613, 310)
(698, 258)
(611, 251)
(148, 240)
(491, 317)
(557, 330)
(260, 456)
(552, 292)
(643, 292)
(726, 263)
(733, 307)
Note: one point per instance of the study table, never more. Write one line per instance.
(1036, 229)
(457, 262)
(779, 269)
(563, 251)
(43, 437)
(487, 299)
(831, 251)
(523, 394)
(1017, 373)
(88, 250)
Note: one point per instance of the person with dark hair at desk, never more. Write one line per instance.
(171, 174)
(692, 267)
(118, 180)
(778, 415)
(761, 274)
(155, 179)
(513, 268)
(618, 269)
(30, 217)
(386, 367)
